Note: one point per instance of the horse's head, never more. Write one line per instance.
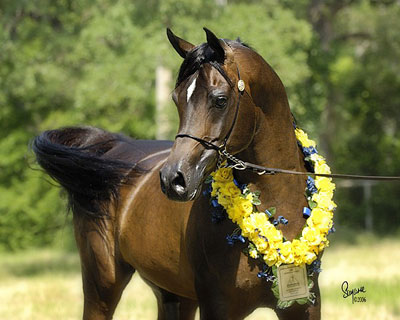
(214, 112)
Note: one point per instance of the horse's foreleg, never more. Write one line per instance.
(104, 275)
(173, 307)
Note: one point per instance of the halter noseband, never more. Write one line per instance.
(208, 144)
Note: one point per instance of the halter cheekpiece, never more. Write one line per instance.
(210, 145)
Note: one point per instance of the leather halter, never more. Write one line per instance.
(208, 144)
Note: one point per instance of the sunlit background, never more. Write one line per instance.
(109, 64)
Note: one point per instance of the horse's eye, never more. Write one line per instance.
(220, 102)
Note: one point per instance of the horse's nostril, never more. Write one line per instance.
(162, 183)
(178, 183)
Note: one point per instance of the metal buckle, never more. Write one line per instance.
(237, 164)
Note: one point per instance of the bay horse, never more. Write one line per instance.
(125, 222)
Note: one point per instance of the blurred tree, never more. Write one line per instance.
(354, 90)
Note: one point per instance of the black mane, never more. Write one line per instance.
(200, 55)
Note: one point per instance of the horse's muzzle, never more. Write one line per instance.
(181, 181)
(173, 184)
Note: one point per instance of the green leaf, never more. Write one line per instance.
(209, 179)
(275, 288)
(310, 283)
(312, 204)
(284, 304)
(275, 271)
(311, 298)
(302, 300)
(251, 246)
(256, 201)
(272, 211)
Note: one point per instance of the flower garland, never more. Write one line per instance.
(265, 240)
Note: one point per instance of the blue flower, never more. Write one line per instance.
(332, 230)
(215, 203)
(240, 186)
(311, 185)
(231, 239)
(266, 273)
(282, 220)
(266, 276)
(207, 190)
(315, 266)
(308, 151)
(306, 212)
(218, 214)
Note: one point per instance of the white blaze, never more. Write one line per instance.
(190, 90)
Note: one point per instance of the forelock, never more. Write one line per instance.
(200, 55)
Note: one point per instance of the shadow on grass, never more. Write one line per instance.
(40, 263)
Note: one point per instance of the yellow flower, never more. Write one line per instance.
(235, 214)
(274, 236)
(315, 157)
(253, 222)
(321, 167)
(229, 189)
(324, 184)
(224, 200)
(249, 197)
(244, 206)
(271, 258)
(323, 244)
(310, 257)
(299, 249)
(303, 138)
(324, 200)
(312, 236)
(260, 243)
(223, 175)
(253, 253)
(285, 251)
(215, 186)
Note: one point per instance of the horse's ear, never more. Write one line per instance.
(221, 49)
(181, 46)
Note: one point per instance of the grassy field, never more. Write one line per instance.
(46, 285)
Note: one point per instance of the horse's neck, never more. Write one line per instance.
(275, 145)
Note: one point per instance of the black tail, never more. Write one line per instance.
(74, 158)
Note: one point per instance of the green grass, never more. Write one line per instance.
(46, 284)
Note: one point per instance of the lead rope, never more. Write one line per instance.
(260, 170)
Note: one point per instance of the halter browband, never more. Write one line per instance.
(208, 144)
